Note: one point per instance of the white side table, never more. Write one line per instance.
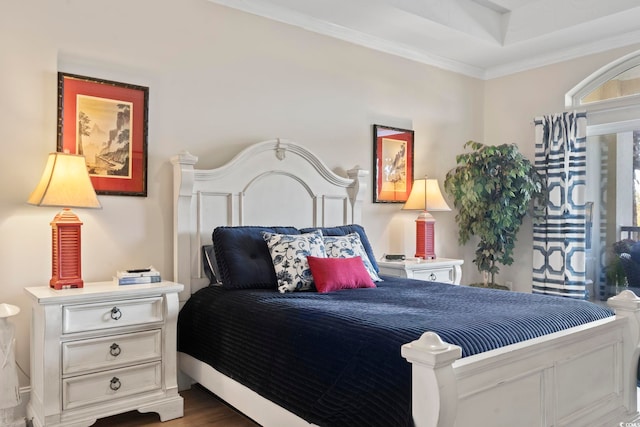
(443, 270)
(101, 350)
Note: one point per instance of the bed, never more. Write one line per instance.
(579, 374)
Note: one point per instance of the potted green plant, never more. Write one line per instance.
(492, 188)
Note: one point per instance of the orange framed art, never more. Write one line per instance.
(105, 121)
(392, 164)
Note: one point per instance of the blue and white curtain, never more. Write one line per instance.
(559, 232)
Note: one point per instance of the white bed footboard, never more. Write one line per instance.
(584, 376)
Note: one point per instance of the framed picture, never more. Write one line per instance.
(392, 164)
(106, 122)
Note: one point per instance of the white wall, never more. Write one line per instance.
(220, 80)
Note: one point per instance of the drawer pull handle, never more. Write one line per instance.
(432, 277)
(115, 350)
(115, 384)
(116, 313)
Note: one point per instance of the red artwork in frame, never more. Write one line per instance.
(392, 164)
(105, 121)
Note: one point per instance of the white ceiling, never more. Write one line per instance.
(479, 38)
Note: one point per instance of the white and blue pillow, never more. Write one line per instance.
(349, 246)
(289, 255)
(343, 230)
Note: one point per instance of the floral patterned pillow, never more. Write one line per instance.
(349, 246)
(289, 253)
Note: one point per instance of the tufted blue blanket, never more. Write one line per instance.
(334, 359)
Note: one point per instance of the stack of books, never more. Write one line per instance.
(138, 275)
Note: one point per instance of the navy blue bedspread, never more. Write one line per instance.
(334, 359)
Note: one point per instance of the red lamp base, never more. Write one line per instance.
(425, 236)
(66, 271)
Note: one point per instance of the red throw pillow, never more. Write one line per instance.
(332, 274)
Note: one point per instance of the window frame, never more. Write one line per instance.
(573, 98)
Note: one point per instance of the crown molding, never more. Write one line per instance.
(286, 16)
(289, 17)
(557, 56)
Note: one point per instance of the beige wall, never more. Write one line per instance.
(220, 80)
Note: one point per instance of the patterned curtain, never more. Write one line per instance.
(559, 231)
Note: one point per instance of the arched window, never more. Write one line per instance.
(614, 85)
(611, 97)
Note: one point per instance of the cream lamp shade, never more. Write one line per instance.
(65, 182)
(426, 196)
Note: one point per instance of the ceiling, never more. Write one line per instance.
(479, 38)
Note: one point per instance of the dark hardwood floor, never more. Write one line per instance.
(201, 408)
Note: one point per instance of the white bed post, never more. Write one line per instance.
(434, 393)
(356, 193)
(627, 305)
(183, 180)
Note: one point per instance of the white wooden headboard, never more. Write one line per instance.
(275, 182)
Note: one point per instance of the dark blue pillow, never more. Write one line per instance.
(243, 257)
(343, 230)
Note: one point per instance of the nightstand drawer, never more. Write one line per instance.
(393, 272)
(89, 317)
(110, 385)
(436, 275)
(111, 352)
(444, 270)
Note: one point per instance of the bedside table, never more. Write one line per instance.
(443, 270)
(101, 350)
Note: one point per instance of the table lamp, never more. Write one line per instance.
(65, 182)
(425, 196)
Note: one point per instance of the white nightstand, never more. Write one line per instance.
(443, 270)
(102, 350)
